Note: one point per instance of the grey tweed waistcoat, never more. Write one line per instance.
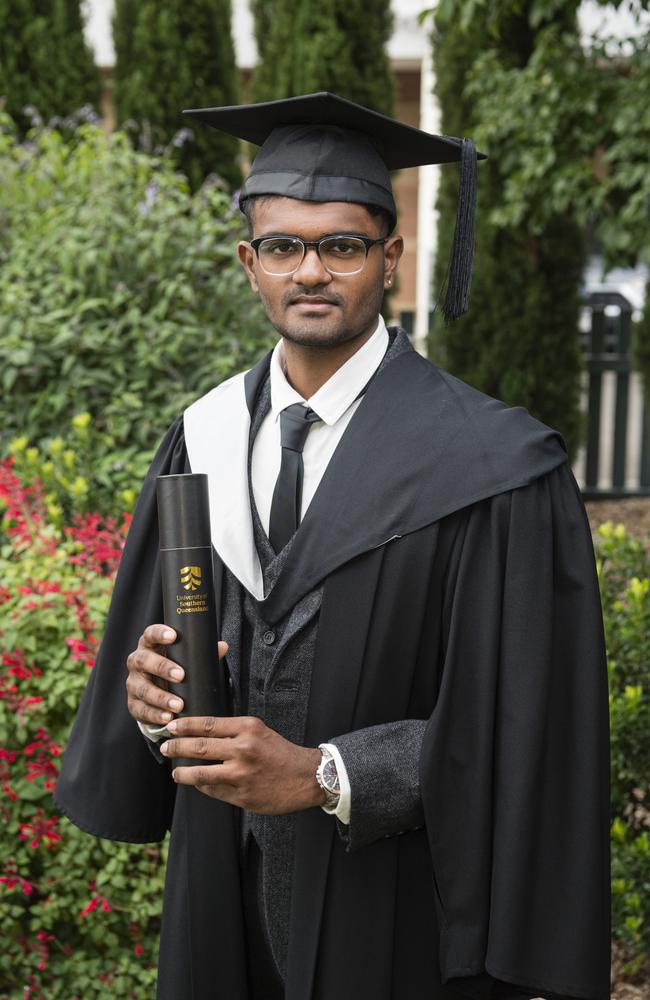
(274, 671)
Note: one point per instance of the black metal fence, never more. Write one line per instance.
(615, 459)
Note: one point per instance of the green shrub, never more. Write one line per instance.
(120, 292)
(306, 46)
(624, 572)
(79, 474)
(519, 339)
(47, 68)
(80, 916)
(174, 55)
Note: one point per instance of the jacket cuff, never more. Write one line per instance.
(382, 766)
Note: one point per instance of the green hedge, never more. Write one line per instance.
(174, 55)
(120, 293)
(306, 46)
(519, 339)
(624, 572)
(47, 68)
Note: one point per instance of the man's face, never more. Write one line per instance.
(312, 307)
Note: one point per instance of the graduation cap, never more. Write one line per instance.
(321, 147)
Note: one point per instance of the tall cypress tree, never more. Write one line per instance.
(306, 46)
(45, 62)
(519, 340)
(174, 55)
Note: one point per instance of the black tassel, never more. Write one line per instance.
(460, 268)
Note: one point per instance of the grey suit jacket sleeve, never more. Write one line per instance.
(382, 764)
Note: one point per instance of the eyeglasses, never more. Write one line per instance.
(339, 254)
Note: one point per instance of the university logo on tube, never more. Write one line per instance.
(190, 577)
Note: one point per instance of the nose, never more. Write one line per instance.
(311, 272)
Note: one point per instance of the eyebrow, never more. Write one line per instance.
(295, 236)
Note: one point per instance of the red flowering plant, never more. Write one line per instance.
(80, 916)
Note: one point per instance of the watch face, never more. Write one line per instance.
(330, 776)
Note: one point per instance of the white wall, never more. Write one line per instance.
(98, 30)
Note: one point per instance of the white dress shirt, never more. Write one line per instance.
(335, 403)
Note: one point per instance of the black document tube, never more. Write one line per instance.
(188, 595)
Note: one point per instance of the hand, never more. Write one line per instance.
(261, 771)
(148, 699)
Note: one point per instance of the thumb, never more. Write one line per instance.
(222, 648)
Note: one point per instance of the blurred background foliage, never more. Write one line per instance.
(121, 296)
(305, 46)
(46, 66)
(174, 55)
(519, 340)
(567, 128)
(623, 563)
(80, 915)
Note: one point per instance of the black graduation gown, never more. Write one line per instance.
(459, 587)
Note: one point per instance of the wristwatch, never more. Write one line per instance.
(328, 778)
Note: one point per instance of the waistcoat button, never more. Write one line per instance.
(269, 637)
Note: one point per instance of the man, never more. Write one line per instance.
(410, 798)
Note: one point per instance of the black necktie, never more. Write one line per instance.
(295, 422)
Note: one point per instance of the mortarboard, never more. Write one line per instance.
(321, 147)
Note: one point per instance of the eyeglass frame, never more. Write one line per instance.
(367, 241)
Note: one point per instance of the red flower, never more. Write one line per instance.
(41, 829)
(8, 790)
(17, 670)
(92, 905)
(79, 650)
(11, 879)
(12, 659)
(94, 902)
(77, 647)
(100, 542)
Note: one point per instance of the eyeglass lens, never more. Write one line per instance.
(339, 255)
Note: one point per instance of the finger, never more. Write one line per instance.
(214, 726)
(201, 748)
(140, 689)
(142, 712)
(222, 648)
(157, 635)
(145, 660)
(213, 775)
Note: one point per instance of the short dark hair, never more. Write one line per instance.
(376, 211)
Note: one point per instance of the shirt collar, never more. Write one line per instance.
(341, 389)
